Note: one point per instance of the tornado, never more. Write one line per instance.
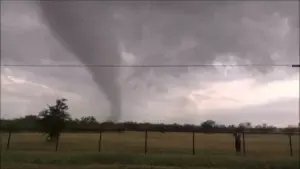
(86, 29)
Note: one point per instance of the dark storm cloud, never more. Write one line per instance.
(243, 29)
(154, 30)
(159, 32)
(227, 28)
(156, 33)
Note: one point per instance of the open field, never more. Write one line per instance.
(164, 149)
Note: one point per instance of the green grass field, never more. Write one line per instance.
(165, 150)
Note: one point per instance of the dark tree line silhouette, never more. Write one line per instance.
(55, 119)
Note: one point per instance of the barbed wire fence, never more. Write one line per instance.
(146, 140)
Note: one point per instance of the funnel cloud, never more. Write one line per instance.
(90, 38)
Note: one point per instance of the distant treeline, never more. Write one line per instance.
(89, 124)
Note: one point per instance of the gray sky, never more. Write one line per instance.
(192, 32)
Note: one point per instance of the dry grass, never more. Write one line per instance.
(97, 166)
(168, 150)
(133, 142)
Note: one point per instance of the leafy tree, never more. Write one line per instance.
(88, 120)
(246, 125)
(29, 123)
(53, 120)
(12, 126)
(264, 125)
(231, 126)
(258, 126)
(208, 125)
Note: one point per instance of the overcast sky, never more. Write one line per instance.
(154, 33)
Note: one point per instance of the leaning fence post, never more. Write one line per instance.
(193, 142)
(244, 144)
(290, 144)
(8, 140)
(100, 140)
(146, 141)
(57, 141)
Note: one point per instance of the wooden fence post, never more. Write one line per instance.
(8, 140)
(244, 144)
(193, 143)
(57, 141)
(100, 140)
(290, 144)
(146, 141)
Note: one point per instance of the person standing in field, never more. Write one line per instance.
(237, 136)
